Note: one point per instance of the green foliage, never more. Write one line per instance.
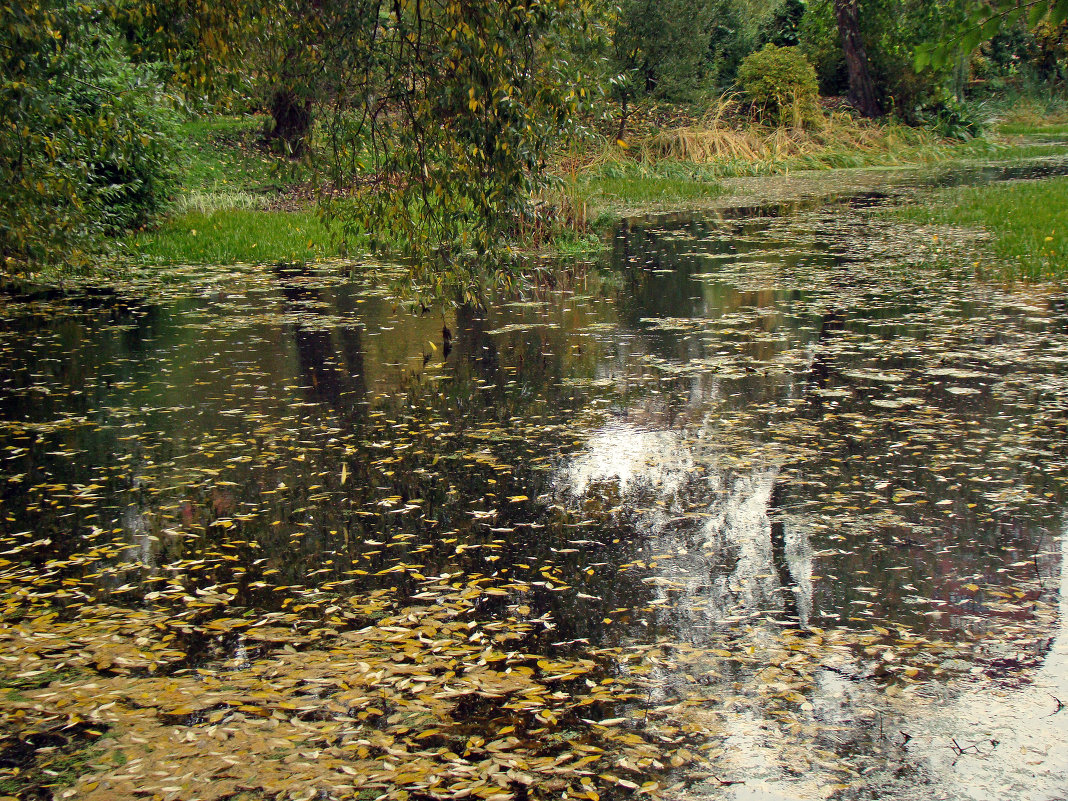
(982, 22)
(952, 119)
(208, 49)
(1049, 57)
(891, 30)
(1021, 58)
(818, 39)
(662, 46)
(736, 31)
(783, 28)
(780, 82)
(86, 142)
(132, 162)
(678, 49)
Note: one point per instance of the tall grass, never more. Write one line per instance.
(726, 138)
(684, 161)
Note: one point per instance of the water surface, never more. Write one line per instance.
(763, 506)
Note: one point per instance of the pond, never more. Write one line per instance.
(767, 504)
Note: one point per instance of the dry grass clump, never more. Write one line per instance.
(1034, 112)
(726, 134)
(671, 157)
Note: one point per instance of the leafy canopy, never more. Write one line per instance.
(984, 21)
(86, 136)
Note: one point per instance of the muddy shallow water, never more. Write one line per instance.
(763, 506)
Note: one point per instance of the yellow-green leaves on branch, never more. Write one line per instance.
(439, 143)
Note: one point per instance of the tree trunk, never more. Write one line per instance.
(861, 90)
(292, 121)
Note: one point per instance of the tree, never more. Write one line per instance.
(438, 115)
(889, 30)
(85, 137)
(675, 49)
(443, 117)
(206, 48)
(665, 44)
(861, 87)
(219, 50)
(290, 64)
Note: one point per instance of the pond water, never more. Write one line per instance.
(764, 506)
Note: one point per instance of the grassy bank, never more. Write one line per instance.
(231, 235)
(672, 163)
(1027, 222)
(239, 202)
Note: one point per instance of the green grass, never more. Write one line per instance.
(1031, 149)
(1027, 220)
(919, 154)
(227, 155)
(595, 197)
(226, 210)
(618, 185)
(647, 190)
(239, 202)
(229, 236)
(1033, 129)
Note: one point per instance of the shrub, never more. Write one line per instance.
(781, 84)
(951, 119)
(86, 143)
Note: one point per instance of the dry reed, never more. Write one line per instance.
(725, 134)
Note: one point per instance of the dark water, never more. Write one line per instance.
(761, 426)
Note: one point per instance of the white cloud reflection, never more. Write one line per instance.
(725, 553)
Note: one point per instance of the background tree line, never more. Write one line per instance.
(431, 122)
